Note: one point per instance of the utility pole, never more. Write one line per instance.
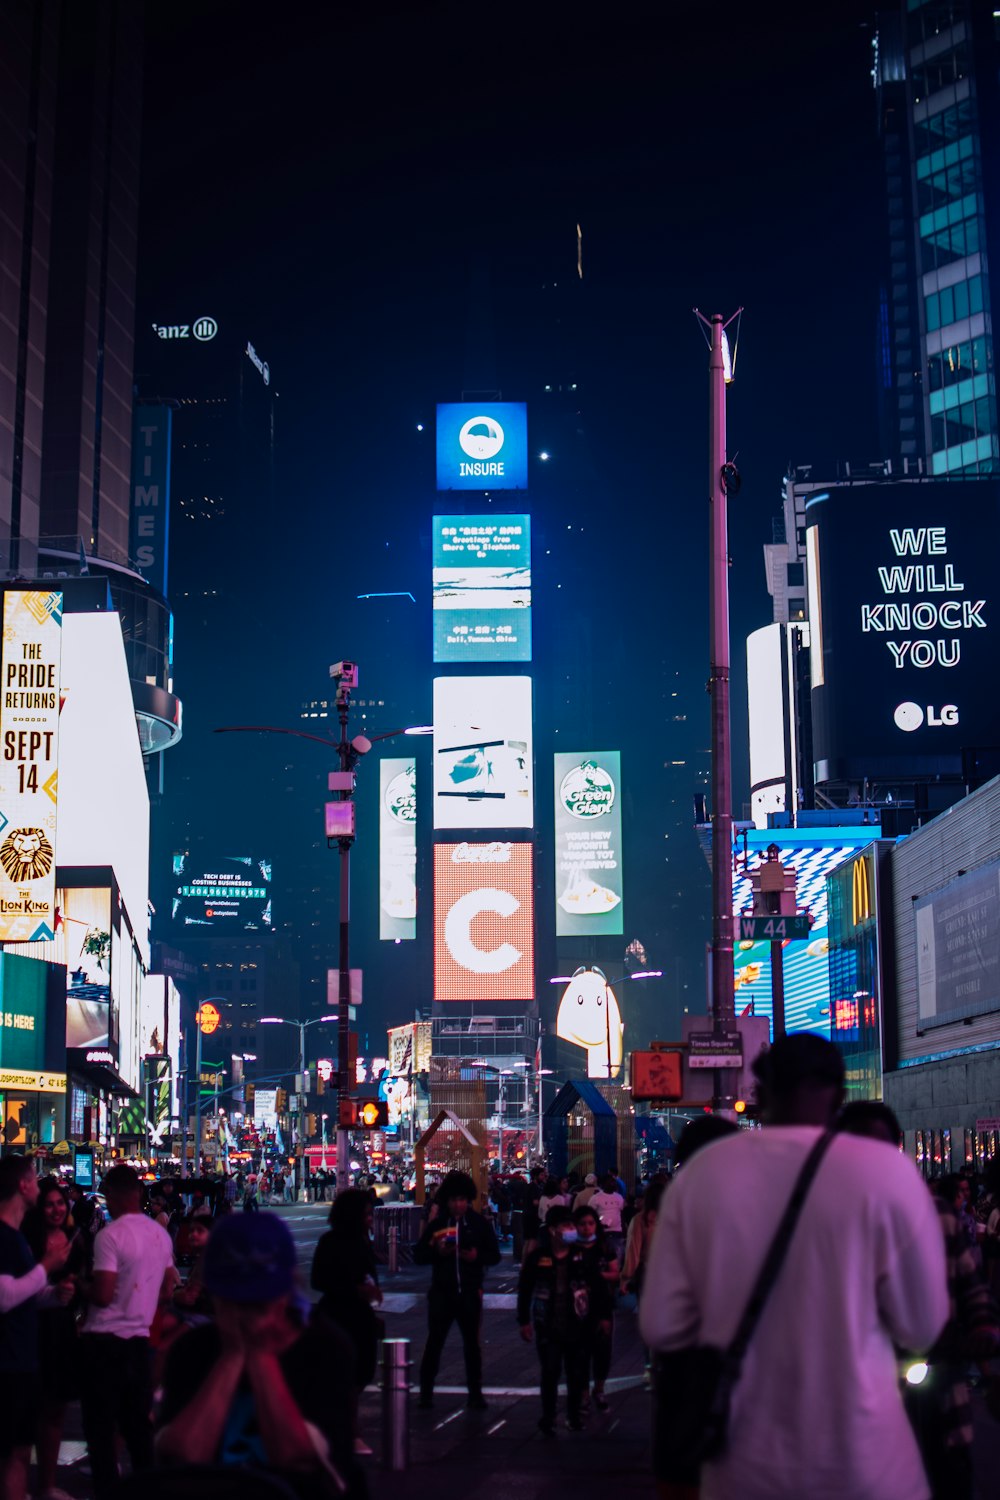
(345, 674)
(724, 480)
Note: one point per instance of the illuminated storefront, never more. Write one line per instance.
(856, 969)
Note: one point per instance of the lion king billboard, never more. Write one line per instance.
(29, 736)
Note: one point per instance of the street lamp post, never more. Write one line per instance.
(349, 752)
(303, 1190)
(724, 480)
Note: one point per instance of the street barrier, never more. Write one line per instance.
(407, 1218)
(396, 1404)
(393, 1249)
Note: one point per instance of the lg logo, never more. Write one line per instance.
(910, 716)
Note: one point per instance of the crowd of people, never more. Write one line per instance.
(182, 1330)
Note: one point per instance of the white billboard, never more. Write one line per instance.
(483, 753)
(103, 801)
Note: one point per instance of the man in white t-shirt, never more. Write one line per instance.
(816, 1410)
(133, 1269)
(608, 1203)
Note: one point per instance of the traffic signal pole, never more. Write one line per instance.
(344, 1090)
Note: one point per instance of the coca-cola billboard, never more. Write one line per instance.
(483, 922)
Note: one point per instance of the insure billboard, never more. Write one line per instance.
(482, 753)
(482, 446)
(482, 588)
(230, 893)
(483, 922)
(902, 587)
(29, 733)
(588, 834)
(958, 948)
(397, 838)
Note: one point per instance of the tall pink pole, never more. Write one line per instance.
(723, 994)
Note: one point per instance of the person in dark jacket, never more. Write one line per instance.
(345, 1272)
(459, 1245)
(562, 1303)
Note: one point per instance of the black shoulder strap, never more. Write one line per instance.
(775, 1258)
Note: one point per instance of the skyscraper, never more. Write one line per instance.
(935, 71)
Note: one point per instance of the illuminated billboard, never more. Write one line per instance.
(29, 734)
(482, 588)
(812, 853)
(958, 948)
(232, 893)
(902, 592)
(482, 752)
(588, 834)
(397, 840)
(483, 922)
(84, 942)
(589, 1016)
(482, 446)
(149, 521)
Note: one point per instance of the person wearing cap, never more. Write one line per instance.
(588, 1190)
(256, 1387)
(816, 1409)
(133, 1271)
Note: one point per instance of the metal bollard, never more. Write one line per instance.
(396, 1404)
(517, 1235)
(393, 1249)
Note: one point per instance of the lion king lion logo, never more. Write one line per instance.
(26, 854)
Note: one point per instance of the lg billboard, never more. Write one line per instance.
(483, 922)
(902, 587)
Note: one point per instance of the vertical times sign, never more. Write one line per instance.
(29, 755)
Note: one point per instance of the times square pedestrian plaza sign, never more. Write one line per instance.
(482, 447)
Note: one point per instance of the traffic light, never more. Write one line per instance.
(347, 1114)
(280, 1101)
(373, 1114)
(310, 1124)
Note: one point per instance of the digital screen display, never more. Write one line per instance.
(483, 922)
(805, 961)
(482, 588)
(29, 731)
(588, 834)
(902, 589)
(958, 949)
(83, 944)
(233, 893)
(482, 752)
(482, 447)
(397, 877)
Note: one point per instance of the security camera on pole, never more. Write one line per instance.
(723, 480)
(340, 826)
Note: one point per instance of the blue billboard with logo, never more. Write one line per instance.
(482, 447)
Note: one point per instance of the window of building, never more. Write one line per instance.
(953, 303)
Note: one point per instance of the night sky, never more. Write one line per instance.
(386, 198)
